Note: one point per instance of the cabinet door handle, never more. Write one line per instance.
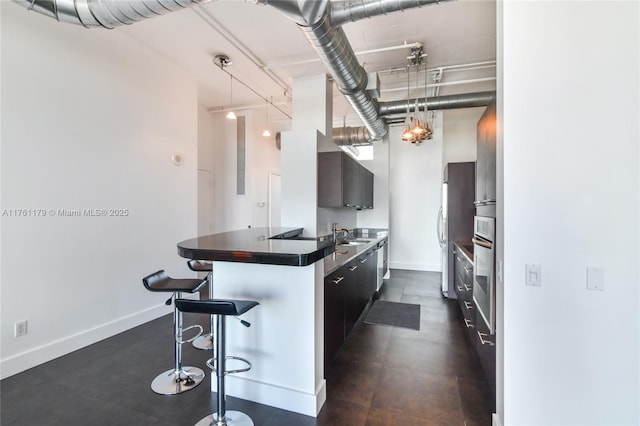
(458, 257)
(338, 280)
(468, 305)
(481, 336)
(460, 288)
(468, 323)
(466, 287)
(466, 268)
(353, 268)
(363, 260)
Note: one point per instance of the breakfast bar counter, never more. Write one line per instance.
(285, 343)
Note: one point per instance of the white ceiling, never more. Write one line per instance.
(257, 38)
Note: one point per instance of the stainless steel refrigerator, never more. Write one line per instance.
(455, 218)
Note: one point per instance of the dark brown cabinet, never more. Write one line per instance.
(347, 292)
(486, 162)
(343, 182)
(463, 276)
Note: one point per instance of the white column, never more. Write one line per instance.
(312, 120)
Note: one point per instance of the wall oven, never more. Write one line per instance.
(484, 289)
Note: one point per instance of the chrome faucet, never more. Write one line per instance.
(335, 230)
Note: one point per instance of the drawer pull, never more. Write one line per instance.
(468, 305)
(468, 323)
(363, 260)
(481, 336)
(460, 288)
(466, 287)
(338, 280)
(458, 257)
(353, 268)
(467, 269)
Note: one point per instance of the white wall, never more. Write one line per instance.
(571, 200)
(218, 143)
(415, 187)
(460, 134)
(90, 120)
(378, 217)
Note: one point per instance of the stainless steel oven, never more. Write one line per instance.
(484, 288)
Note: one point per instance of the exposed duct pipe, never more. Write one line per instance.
(351, 136)
(331, 44)
(343, 12)
(466, 100)
(105, 13)
(357, 136)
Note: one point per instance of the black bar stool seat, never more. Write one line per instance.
(221, 308)
(204, 342)
(179, 379)
(216, 306)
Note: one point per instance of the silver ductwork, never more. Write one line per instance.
(356, 136)
(105, 13)
(351, 136)
(331, 44)
(465, 100)
(343, 12)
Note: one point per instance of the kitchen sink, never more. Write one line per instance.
(353, 243)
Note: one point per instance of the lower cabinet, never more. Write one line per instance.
(346, 294)
(476, 329)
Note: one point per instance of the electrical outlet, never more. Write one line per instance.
(21, 328)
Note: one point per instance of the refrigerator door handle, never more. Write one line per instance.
(440, 236)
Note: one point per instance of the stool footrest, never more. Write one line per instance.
(212, 364)
(179, 337)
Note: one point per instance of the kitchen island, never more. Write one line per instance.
(285, 340)
(285, 343)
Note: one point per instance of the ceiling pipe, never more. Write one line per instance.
(359, 136)
(465, 100)
(343, 12)
(332, 46)
(105, 13)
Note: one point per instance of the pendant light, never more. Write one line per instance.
(231, 115)
(407, 134)
(266, 132)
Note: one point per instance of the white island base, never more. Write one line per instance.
(285, 342)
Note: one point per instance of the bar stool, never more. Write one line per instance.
(221, 309)
(179, 379)
(204, 342)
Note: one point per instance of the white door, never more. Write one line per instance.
(274, 199)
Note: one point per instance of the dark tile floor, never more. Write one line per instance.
(381, 376)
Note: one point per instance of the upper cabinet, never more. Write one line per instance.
(343, 182)
(486, 162)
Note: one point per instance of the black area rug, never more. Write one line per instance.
(395, 314)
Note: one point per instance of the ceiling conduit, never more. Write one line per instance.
(330, 42)
(105, 13)
(357, 136)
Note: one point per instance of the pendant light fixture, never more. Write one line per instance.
(225, 61)
(231, 115)
(266, 132)
(407, 134)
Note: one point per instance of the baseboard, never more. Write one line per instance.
(275, 396)
(23, 361)
(495, 420)
(416, 266)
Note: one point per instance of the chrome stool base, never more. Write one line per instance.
(232, 418)
(173, 382)
(204, 342)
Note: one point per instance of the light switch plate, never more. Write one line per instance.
(533, 275)
(595, 278)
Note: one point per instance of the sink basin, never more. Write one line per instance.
(353, 243)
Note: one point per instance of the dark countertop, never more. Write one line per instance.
(345, 253)
(466, 247)
(257, 245)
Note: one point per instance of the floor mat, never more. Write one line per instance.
(395, 314)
